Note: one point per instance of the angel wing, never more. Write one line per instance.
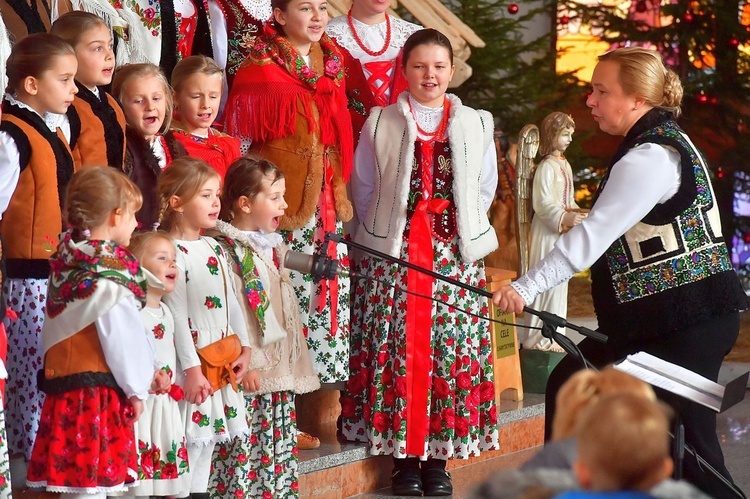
(528, 145)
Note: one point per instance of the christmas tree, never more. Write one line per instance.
(704, 41)
(512, 78)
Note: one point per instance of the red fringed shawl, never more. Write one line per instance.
(262, 104)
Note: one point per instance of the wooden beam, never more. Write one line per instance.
(429, 18)
(454, 21)
(463, 72)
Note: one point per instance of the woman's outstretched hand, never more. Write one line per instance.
(507, 299)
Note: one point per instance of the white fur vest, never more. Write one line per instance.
(393, 132)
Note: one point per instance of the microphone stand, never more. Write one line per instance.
(551, 322)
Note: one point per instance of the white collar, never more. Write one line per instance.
(264, 241)
(52, 120)
(428, 118)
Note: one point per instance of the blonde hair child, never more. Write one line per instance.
(252, 205)
(160, 432)
(205, 310)
(34, 144)
(623, 444)
(584, 389)
(198, 84)
(146, 99)
(102, 139)
(97, 369)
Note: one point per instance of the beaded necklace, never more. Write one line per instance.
(364, 47)
(442, 126)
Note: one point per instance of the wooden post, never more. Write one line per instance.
(507, 364)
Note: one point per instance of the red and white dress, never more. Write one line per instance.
(372, 60)
(85, 443)
(422, 376)
(160, 431)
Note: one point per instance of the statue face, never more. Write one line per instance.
(563, 139)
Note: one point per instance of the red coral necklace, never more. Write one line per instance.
(359, 40)
(439, 133)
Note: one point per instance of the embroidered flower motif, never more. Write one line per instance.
(332, 67)
(212, 302)
(213, 265)
(200, 419)
(219, 427)
(230, 412)
(158, 331)
(49, 244)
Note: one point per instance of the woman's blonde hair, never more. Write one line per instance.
(140, 241)
(642, 73)
(552, 125)
(131, 72)
(94, 193)
(586, 387)
(184, 178)
(72, 25)
(189, 66)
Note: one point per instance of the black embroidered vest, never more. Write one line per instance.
(443, 224)
(672, 269)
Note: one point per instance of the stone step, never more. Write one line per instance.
(337, 470)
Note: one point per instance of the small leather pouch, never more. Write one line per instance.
(216, 360)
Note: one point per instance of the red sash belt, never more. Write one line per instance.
(327, 210)
(419, 308)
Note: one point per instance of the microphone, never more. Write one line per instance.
(555, 321)
(318, 266)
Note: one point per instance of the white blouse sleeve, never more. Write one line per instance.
(128, 353)
(9, 170)
(646, 176)
(363, 176)
(489, 177)
(178, 303)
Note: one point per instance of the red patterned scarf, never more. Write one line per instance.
(265, 92)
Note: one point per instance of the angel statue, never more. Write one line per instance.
(554, 212)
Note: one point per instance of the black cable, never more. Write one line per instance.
(557, 337)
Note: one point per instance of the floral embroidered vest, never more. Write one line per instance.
(672, 269)
(443, 224)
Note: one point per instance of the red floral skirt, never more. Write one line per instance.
(83, 444)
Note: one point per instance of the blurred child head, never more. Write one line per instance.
(253, 196)
(198, 83)
(427, 63)
(301, 22)
(91, 39)
(623, 444)
(41, 71)
(145, 96)
(101, 203)
(189, 190)
(586, 387)
(155, 251)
